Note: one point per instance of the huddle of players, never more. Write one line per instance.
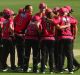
(50, 33)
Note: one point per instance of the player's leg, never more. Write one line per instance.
(43, 55)
(69, 53)
(5, 52)
(20, 51)
(35, 47)
(27, 47)
(12, 55)
(50, 45)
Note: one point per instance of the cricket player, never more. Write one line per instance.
(42, 9)
(47, 40)
(74, 30)
(65, 41)
(21, 22)
(32, 41)
(8, 47)
(56, 17)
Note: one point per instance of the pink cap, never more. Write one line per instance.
(42, 6)
(63, 10)
(35, 18)
(55, 10)
(48, 10)
(12, 12)
(68, 7)
(7, 11)
(20, 10)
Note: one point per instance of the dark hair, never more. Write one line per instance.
(1, 13)
(27, 7)
(71, 11)
(49, 15)
(55, 13)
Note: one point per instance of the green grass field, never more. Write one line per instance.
(16, 4)
(47, 73)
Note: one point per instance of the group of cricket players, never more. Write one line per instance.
(48, 35)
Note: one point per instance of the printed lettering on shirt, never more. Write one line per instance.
(65, 20)
(23, 15)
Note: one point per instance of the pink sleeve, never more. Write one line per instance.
(11, 24)
(55, 22)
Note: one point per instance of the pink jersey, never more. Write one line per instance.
(74, 22)
(7, 24)
(66, 32)
(1, 21)
(31, 31)
(21, 21)
(48, 32)
(1, 24)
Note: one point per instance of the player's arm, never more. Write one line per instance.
(75, 31)
(37, 24)
(62, 27)
(38, 27)
(11, 28)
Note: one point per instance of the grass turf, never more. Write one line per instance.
(47, 72)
